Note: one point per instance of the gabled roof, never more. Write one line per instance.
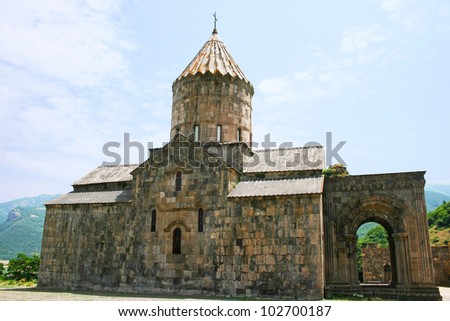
(107, 174)
(213, 58)
(119, 196)
(310, 185)
(285, 160)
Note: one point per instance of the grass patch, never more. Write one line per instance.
(439, 237)
(10, 284)
(337, 297)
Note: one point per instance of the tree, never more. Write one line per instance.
(23, 267)
(377, 235)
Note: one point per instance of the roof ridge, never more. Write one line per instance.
(282, 179)
(102, 191)
(285, 148)
(120, 165)
(389, 173)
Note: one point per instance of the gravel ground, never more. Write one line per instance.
(34, 294)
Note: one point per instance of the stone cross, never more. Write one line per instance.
(215, 20)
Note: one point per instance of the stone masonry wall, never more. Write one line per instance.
(441, 263)
(210, 100)
(81, 246)
(376, 264)
(277, 247)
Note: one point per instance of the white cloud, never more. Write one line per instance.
(361, 37)
(393, 5)
(75, 42)
(443, 23)
(303, 76)
(405, 13)
(65, 88)
(277, 90)
(275, 86)
(329, 80)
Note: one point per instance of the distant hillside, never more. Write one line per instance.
(21, 225)
(363, 229)
(439, 222)
(440, 188)
(24, 202)
(435, 199)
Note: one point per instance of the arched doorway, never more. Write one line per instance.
(385, 211)
(374, 255)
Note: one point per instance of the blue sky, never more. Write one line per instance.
(75, 75)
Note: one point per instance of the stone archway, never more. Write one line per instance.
(388, 211)
(395, 201)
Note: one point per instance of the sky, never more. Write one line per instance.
(75, 75)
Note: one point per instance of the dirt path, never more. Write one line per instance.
(34, 294)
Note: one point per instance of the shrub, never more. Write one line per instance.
(336, 170)
(23, 267)
(2, 270)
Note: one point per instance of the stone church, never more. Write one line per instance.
(208, 215)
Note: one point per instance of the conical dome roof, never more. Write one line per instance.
(215, 58)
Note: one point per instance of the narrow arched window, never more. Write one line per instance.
(200, 220)
(219, 133)
(153, 222)
(196, 133)
(178, 182)
(238, 135)
(176, 242)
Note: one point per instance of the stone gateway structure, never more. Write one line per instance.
(207, 214)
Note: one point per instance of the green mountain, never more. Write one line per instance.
(24, 202)
(365, 228)
(440, 188)
(440, 217)
(435, 199)
(21, 225)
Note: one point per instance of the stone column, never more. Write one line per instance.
(352, 260)
(402, 258)
(393, 259)
(425, 269)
